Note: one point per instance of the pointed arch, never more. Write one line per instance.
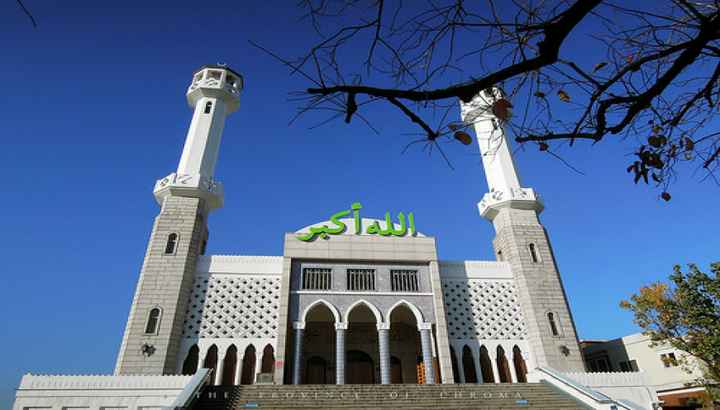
(502, 366)
(268, 359)
(486, 366)
(468, 361)
(329, 305)
(211, 359)
(248, 370)
(229, 363)
(373, 309)
(190, 364)
(520, 366)
(416, 312)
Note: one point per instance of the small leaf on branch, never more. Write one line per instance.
(564, 97)
(463, 137)
(501, 109)
(543, 146)
(599, 66)
(351, 107)
(666, 196)
(539, 94)
(689, 144)
(453, 126)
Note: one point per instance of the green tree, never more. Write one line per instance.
(686, 315)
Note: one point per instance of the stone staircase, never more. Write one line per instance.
(399, 396)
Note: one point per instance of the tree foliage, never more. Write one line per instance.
(685, 315)
(653, 77)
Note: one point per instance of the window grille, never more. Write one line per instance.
(361, 279)
(316, 278)
(404, 280)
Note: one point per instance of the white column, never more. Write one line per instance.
(201, 359)
(340, 329)
(460, 364)
(476, 362)
(258, 364)
(511, 366)
(493, 360)
(238, 367)
(299, 330)
(219, 367)
(384, 350)
(424, 329)
(497, 159)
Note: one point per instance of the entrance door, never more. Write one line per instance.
(315, 370)
(395, 370)
(360, 368)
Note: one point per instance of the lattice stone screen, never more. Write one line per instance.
(233, 306)
(483, 309)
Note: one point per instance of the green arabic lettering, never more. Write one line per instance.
(411, 221)
(356, 214)
(336, 220)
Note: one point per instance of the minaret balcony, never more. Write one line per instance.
(194, 186)
(516, 198)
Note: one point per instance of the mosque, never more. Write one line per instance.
(351, 300)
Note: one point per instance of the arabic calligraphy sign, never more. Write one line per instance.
(405, 225)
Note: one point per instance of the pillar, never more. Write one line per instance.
(476, 362)
(427, 351)
(238, 366)
(201, 359)
(340, 329)
(461, 365)
(297, 359)
(219, 367)
(384, 350)
(494, 365)
(511, 365)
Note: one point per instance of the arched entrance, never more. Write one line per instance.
(453, 361)
(405, 344)
(360, 368)
(519, 363)
(268, 360)
(228, 377)
(318, 350)
(503, 367)
(248, 369)
(361, 346)
(469, 366)
(395, 370)
(191, 361)
(486, 366)
(211, 358)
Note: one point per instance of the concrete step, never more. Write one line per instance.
(398, 396)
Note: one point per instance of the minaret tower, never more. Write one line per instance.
(154, 327)
(522, 241)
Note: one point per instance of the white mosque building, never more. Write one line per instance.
(350, 300)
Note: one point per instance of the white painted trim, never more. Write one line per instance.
(418, 314)
(329, 305)
(373, 308)
(356, 293)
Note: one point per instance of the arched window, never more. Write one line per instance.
(208, 107)
(553, 325)
(153, 321)
(533, 253)
(171, 244)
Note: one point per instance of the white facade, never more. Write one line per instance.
(662, 364)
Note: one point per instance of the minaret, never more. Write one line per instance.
(152, 336)
(522, 241)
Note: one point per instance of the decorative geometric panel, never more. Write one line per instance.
(481, 309)
(233, 306)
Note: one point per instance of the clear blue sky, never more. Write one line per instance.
(93, 112)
